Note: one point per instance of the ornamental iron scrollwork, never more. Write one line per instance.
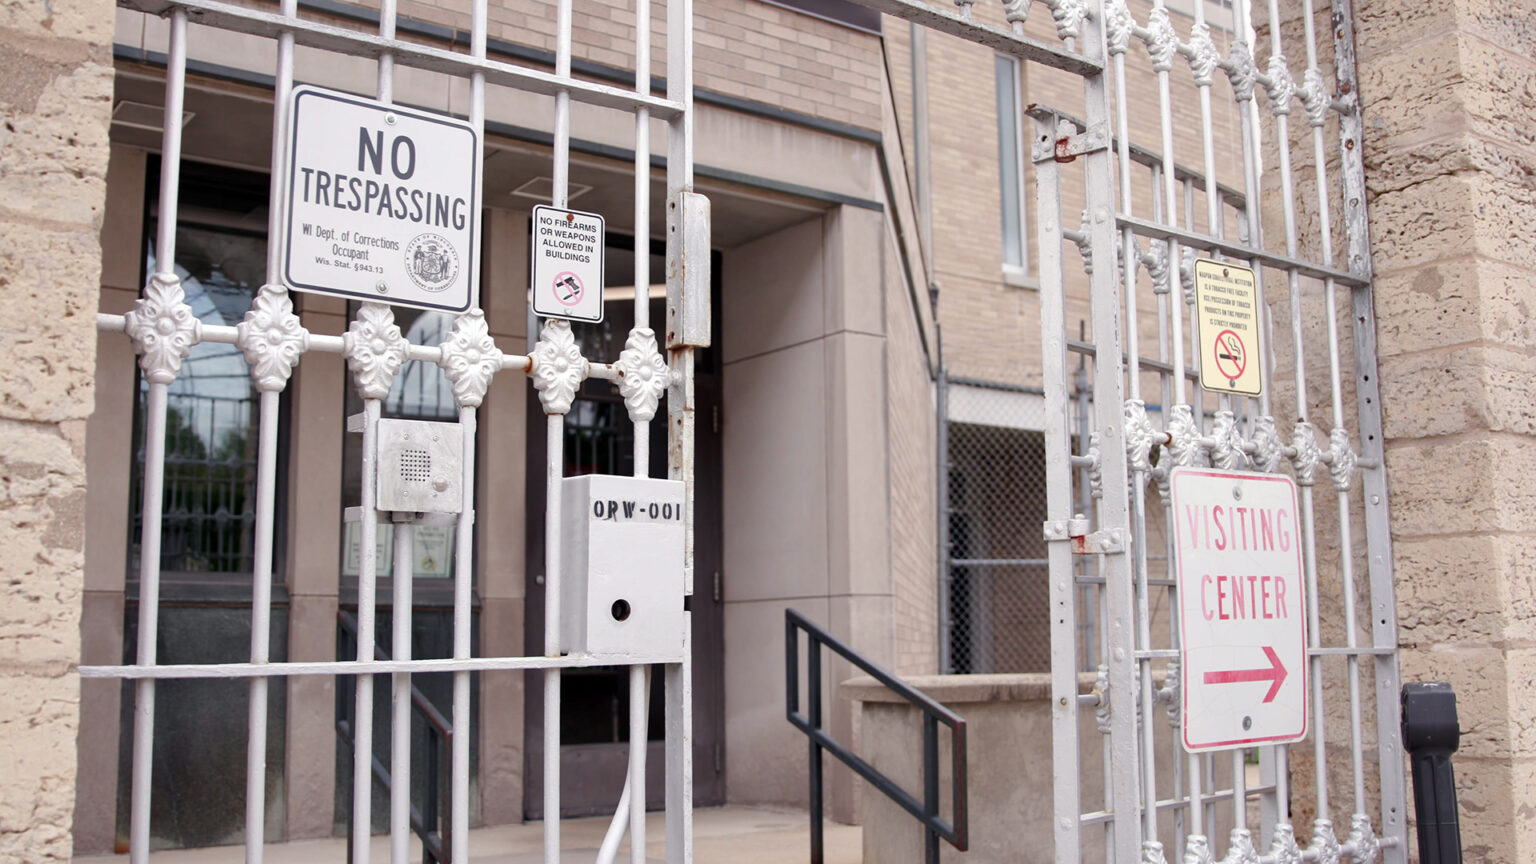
(643, 375)
(558, 367)
(271, 338)
(163, 328)
(375, 350)
(470, 358)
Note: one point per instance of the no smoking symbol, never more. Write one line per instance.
(1231, 356)
(568, 288)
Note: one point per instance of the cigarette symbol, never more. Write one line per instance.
(1234, 349)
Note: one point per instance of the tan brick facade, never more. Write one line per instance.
(55, 99)
(742, 48)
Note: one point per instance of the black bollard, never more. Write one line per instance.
(1431, 734)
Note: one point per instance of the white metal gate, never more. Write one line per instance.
(1143, 212)
(1129, 206)
(273, 339)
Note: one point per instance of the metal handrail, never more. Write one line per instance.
(926, 811)
(435, 844)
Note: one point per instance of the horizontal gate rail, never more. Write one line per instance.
(926, 812)
(344, 40)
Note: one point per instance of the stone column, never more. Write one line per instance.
(1450, 150)
(56, 100)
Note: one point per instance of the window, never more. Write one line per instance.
(209, 517)
(1010, 160)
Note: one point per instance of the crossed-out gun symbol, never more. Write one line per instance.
(571, 286)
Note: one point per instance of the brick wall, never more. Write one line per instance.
(992, 330)
(913, 502)
(55, 97)
(742, 48)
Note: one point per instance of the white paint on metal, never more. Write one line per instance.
(623, 556)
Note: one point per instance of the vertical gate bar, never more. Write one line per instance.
(464, 533)
(554, 471)
(367, 582)
(386, 87)
(1309, 552)
(400, 700)
(362, 758)
(463, 580)
(266, 484)
(1374, 479)
(639, 676)
(1239, 789)
(1058, 498)
(261, 625)
(680, 429)
(154, 457)
(1165, 117)
(1346, 553)
(1109, 392)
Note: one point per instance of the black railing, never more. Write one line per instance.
(436, 834)
(926, 811)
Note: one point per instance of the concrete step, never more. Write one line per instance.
(722, 835)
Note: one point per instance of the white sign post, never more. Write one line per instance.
(567, 280)
(380, 202)
(1242, 609)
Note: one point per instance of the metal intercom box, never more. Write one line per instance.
(420, 466)
(622, 570)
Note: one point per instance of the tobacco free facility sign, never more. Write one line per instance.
(1242, 609)
(1227, 315)
(380, 202)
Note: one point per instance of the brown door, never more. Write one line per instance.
(594, 703)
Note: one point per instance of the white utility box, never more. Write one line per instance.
(621, 581)
(420, 466)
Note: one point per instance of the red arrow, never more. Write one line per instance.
(1274, 674)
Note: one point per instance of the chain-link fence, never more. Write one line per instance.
(994, 562)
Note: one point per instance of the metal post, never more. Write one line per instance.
(400, 699)
(813, 711)
(1431, 733)
(1058, 484)
(154, 452)
(930, 787)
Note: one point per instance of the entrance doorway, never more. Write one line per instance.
(594, 702)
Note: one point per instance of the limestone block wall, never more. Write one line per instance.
(1450, 150)
(55, 101)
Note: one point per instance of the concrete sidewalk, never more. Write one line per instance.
(722, 835)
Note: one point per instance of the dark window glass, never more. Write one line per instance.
(211, 418)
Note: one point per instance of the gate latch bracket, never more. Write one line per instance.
(1069, 144)
(1109, 542)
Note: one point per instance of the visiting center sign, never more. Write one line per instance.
(380, 202)
(1242, 609)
